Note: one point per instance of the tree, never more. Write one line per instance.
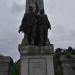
(58, 51)
(16, 68)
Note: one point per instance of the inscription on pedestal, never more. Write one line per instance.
(37, 67)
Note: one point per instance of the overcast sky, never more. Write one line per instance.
(61, 14)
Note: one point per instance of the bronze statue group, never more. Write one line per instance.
(35, 25)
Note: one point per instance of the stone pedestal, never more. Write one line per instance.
(36, 60)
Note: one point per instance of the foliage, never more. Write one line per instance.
(16, 68)
(57, 62)
(68, 52)
(58, 51)
(68, 55)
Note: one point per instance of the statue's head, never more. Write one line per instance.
(30, 9)
(42, 11)
(36, 8)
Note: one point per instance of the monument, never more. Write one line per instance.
(36, 52)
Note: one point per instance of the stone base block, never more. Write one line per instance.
(37, 65)
(36, 60)
(36, 50)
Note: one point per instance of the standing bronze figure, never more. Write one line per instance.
(28, 25)
(35, 25)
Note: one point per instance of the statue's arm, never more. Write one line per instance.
(48, 23)
(24, 19)
(22, 23)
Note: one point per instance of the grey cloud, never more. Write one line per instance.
(17, 8)
(62, 37)
(61, 15)
(9, 38)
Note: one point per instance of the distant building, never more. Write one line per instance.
(68, 64)
(6, 65)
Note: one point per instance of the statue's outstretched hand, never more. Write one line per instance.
(19, 31)
(50, 28)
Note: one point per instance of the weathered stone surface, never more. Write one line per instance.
(25, 41)
(36, 62)
(36, 50)
(37, 65)
(68, 65)
(5, 65)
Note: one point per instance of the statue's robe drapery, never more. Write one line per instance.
(44, 25)
(28, 25)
